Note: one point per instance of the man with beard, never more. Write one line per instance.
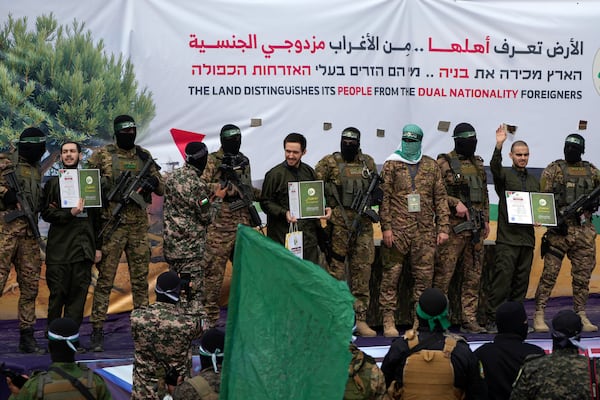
(72, 246)
(569, 179)
(414, 219)
(226, 168)
(466, 185)
(275, 199)
(18, 244)
(347, 175)
(130, 234)
(188, 209)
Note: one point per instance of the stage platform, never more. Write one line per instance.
(114, 364)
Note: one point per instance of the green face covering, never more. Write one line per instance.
(411, 150)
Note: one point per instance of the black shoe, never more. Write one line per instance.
(97, 340)
(27, 343)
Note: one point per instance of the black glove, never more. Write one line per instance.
(10, 199)
(150, 184)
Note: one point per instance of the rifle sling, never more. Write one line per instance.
(75, 382)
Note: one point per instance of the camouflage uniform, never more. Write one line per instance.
(333, 170)
(162, 333)
(415, 233)
(220, 237)
(30, 388)
(130, 235)
(561, 375)
(187, 389)
(17, 244)
(365, 379)
(579, 244)
(459, 244)
(187, 213)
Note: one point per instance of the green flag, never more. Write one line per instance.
(289, 324)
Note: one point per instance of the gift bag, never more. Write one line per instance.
(293, 240)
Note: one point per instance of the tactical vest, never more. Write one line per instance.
(358, 386)
(428, 374)
(243, 175)
(577, 181)
(52, 386)
(353, 183)
(29, 178)
(204, 390)
(468, 183)
(121, 163)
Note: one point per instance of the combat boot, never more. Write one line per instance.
(539, 325)
(362, 329)
(389, 326)
(97, 340)
(472, 326)
(27, 343)
(587, 325)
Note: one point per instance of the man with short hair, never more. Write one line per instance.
(65, 379)
(514, 242)
(189, 207)
(162, 337)
(569, 179)
(563, 374)
(347, 175)
(275, 199)
(18, 244)
(129, 232)
(503, 358)
(429, 362)
(72, 246)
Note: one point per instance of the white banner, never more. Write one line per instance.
(318, 66)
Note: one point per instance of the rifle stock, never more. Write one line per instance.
(26, 208)
(364, 208)
(585, 202)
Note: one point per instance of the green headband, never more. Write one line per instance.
(465, 135)
(351, 135)
(574, 140)
(441, 318)
(33, 139)
(124, 125)
(230, 132)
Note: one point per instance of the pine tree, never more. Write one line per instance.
(56, 78)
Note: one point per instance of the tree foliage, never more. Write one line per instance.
(56, 78)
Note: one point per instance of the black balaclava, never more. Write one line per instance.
(574, 148)
(432, 310)
(212, 348)
(168, 287)
(465, 139)
(196, 154)
(231, 139)
(63, 336)
(350, 143)
(32, 145)
(566, 329)
(126, 141)
(512, 318)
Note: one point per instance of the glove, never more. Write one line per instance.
(150, 184)
(10, 198)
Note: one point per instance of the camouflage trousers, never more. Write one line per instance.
(68, 285)
(24, 252)
(420, 245)
(457, 247)
(580, 246)
(359, 258)
(194, 299)
(133, 240)
(220, 242)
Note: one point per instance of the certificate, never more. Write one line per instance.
(306, 199)
(530, 208)
(79, 183)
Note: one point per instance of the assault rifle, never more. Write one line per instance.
(127, 189)
(362, 206)
(25, 205)
(474, 223)
(229, 167)
(17, 379)
(585, 202)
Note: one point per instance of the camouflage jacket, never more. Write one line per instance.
(111, 160)
(187, 211)
(398, 183)
(365, 379)
(561, 375)
(162, 334)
